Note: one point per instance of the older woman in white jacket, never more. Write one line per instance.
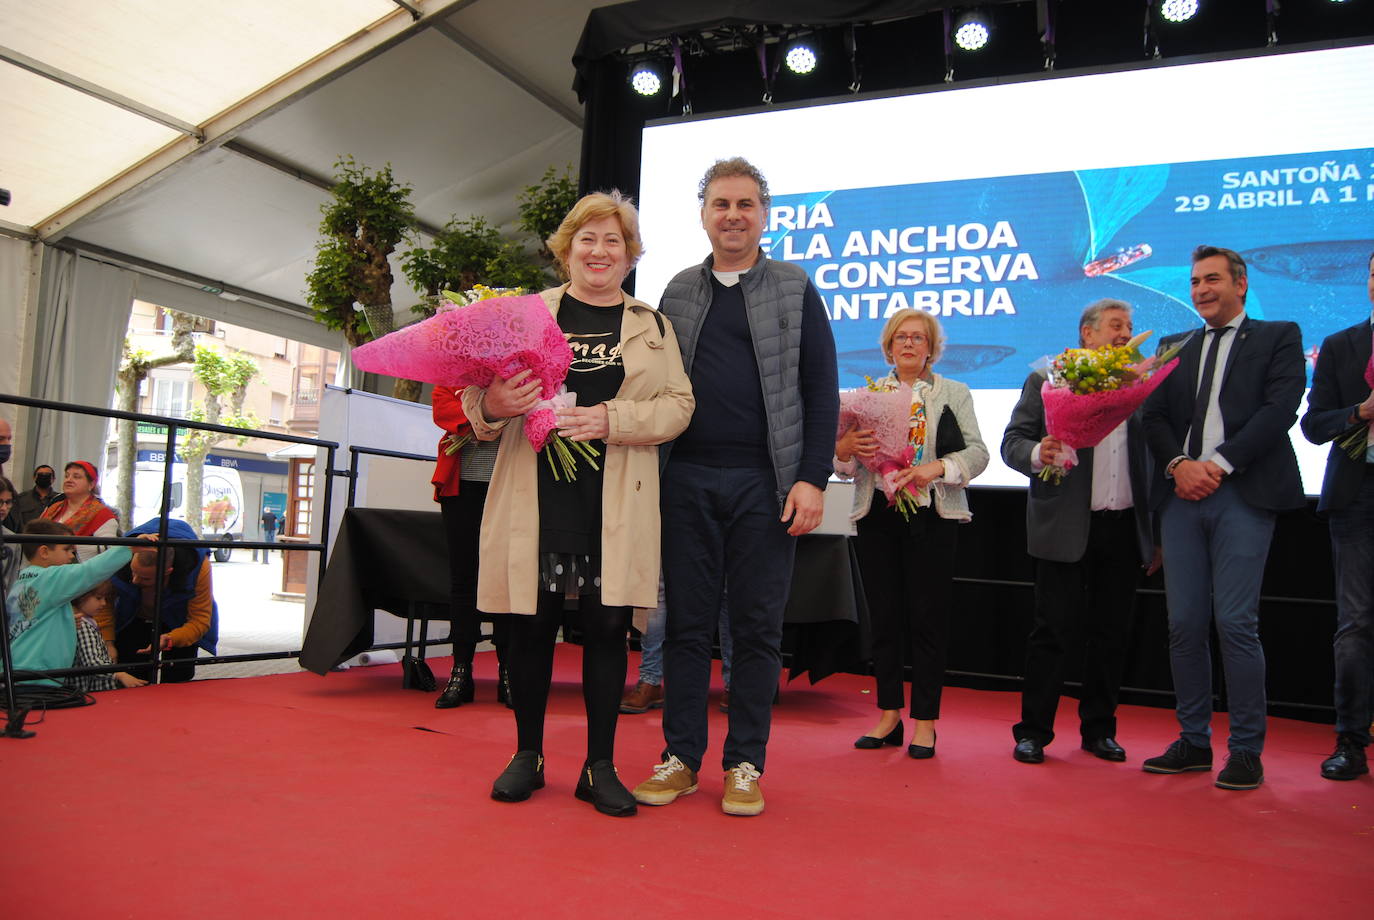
(908, 564)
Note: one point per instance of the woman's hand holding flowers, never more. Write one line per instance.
(509, 398)
(584, 423)
(856, 442)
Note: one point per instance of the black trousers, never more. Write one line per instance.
(139, 634)
(908, 574)
(1087, 605)
(462, 514)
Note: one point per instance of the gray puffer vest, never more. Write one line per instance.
(773, 298)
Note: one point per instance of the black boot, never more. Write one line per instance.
(600, 785)
(523, 775)
(503, 686)
(460, 688)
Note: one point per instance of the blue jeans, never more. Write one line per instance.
(651, 642)
(1352, 552)
(721, 525)
(1214, 553)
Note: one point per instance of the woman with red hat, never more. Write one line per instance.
(81, 509)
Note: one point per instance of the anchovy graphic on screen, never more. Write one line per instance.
(1333, 260)
(957, 359)
(1119, 259)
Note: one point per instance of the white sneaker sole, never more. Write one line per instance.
(741, 809)
(662, 798)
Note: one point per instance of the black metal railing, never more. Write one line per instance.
(164, 544)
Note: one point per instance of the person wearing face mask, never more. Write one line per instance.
(30, 505)
(6, 446)
(908, 563)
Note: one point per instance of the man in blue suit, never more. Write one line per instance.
(1090, 536)
(1341, 402)
(1218, 430)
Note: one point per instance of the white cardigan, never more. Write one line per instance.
(947, 492)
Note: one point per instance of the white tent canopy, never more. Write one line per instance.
(192, 144)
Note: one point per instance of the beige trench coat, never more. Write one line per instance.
(653, 405)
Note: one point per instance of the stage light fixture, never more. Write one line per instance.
(646, 79)
(971, 31)
(1178, 10)
(800, 58)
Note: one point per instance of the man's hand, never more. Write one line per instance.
(804, 507)
(585, 423)
(856, 442)
(164, 641)
(151, 538)
(128, 681)
(1365, 410)
(1049, 449)
(1156, 561)
(509, 398)
(1195, 480)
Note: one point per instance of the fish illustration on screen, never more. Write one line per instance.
(1119, 259)
(1328, 260)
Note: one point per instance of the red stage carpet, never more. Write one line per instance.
(346, 796)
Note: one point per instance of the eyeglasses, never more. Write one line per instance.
(910, 338)
(6, 502)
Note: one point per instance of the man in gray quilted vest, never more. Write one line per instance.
(741, 483)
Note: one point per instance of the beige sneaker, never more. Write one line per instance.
(671, 779)
(742, 794)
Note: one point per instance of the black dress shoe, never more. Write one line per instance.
(920, 751)
(523, 775)
(459, 690)
(1028, 750)
(870, 743)
(1347, 761)
(1105, 748)
(1242, 771)
(600, 785)
(1179, 757)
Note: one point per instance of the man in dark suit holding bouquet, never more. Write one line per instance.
(1218, 430)
(1090, 537)
(1339, 409)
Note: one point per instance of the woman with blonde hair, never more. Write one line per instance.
(908, 563)
(595, 537)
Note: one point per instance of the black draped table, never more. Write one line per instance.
(397, 561)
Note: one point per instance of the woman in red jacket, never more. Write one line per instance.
(461, 475)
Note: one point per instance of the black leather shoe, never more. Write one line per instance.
(1242, 771)
(600, 785)
(920, 751)
(1028, 750)
(459, 690)
(870, 743)
(1105, 748)
(523, 775)
(1347, 761)
(1179, 757)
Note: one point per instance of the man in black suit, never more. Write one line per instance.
(1218, 430)
(1340, 403)
(1090, 537)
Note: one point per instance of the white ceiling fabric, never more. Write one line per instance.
(469, 104)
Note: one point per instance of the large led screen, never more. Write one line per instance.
(1005, 209)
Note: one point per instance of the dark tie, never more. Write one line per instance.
(1204, 392)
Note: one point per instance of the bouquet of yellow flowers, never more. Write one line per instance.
(1089, 391)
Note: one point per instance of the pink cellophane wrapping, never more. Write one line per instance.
(1083, 420)
(887, 413)
(474, 344)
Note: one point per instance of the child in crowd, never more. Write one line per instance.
(38, 609)
(91, 647)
